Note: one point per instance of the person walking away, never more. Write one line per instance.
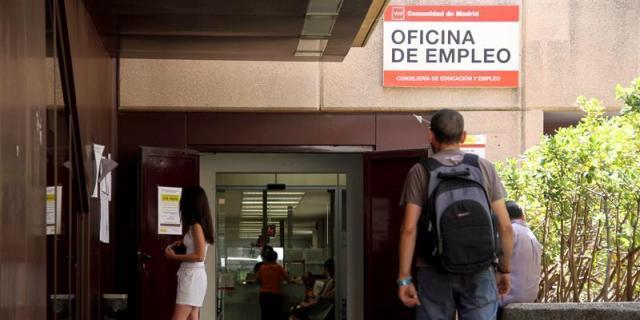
(264, 251)
(452, 203)
(198, 234)
(270, 276)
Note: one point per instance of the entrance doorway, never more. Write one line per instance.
(365, 231)
(325, 193)
(300, 216)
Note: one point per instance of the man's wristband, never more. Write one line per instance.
(404, 282)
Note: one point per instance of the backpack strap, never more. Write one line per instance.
(430, 164)
(471, 160)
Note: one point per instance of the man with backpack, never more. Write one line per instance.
(457, 225)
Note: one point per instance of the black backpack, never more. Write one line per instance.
(457, 230)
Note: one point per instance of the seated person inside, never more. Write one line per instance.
(320, 306)
(308, 280)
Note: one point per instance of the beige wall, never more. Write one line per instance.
(502, 129)
(570, 48)
(219, 85)
(579, 48)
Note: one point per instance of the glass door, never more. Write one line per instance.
(299, 223)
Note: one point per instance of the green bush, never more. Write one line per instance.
(580, 189)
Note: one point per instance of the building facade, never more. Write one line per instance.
(226, 88)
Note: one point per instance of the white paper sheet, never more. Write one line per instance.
(54, 210)
(108, 179)
(169, 210)
(104, 217)
(104, 185)
(98, 149)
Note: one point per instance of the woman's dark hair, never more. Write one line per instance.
(266, 249)
(271, 256)
(308, 280)
(330, 266)
(194, 208)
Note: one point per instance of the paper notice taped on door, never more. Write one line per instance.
(98, 149)
(104, 217)
(54, 209)
(169, 210)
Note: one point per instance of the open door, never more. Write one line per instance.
(384, 175)
(157, 275)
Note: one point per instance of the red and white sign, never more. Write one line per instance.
(452, 46)
(476, 144)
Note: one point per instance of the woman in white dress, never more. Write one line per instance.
(198, 234)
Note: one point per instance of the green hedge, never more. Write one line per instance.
(580, 189)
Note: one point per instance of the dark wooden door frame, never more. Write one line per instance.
(379, 284)
(65, 63)
(80, 195)
(145, 255)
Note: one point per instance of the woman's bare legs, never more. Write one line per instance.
(181, 312)
(194, 314)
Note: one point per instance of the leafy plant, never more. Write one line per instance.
(580, 189)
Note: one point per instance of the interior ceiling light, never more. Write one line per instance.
(279, 193)
(271, 216)
(272, 197)
(278, 204)
(286, 193)
(243, 259)
(259, 214)
(257, 207)
(318, 25)
(253, 223)
(281, 208)
(270, 202)
(284, 213)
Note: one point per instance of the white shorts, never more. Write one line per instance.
(192, 286)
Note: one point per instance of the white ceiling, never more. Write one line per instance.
(309, 206)
(313, 204)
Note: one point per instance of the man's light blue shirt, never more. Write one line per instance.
(525, 265)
